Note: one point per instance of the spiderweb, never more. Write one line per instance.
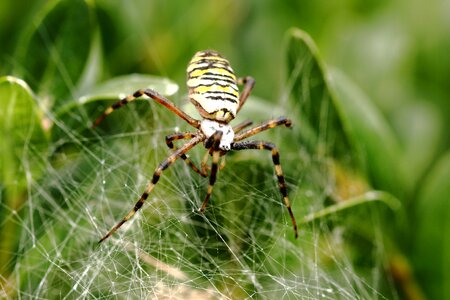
(242, 247)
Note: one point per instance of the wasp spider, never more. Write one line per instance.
(213, 90)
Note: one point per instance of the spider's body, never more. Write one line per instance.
(213, 90)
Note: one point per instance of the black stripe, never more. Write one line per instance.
(139, 204)
(119, 103)
(234, 100)
(233, 85)
(283, 190)
(212, 177)
(282, 185)
(276, 159)
(206, 74)
(208, 53)
(139, 93)
(220, 92)
(232, 81)
(209, 59)
(155, 178)
(211, 64)
(269, 146)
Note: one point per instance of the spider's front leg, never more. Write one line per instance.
(259, 145)
(156, 175)
(153, 95)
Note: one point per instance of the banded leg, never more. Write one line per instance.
(164, 165)
(241, 126)
(265, 126)
(153, 95)
(258, 145)
(248, 83)
(213, 144)
(178, 136)
(204, 163)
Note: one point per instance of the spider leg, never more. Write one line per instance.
(204, 163)
(259, 145)
(222, 163)
(265, 126)
(248, 83)
(212, 143)
(241, 126)
(164, 165)
(153, 95)
(179, 136)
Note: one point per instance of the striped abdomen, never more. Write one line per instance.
(212, 86)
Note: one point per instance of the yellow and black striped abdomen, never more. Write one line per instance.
(212, 86)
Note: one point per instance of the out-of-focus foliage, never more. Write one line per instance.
(385, 128)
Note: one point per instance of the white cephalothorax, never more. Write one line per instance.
(209, 127)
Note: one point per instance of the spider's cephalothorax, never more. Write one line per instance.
(213, 90)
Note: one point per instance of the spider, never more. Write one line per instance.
(213, 90)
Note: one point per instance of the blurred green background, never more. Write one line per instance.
(397, 52)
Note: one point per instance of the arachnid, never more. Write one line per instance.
(213, 90)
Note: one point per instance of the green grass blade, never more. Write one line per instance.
(23, 145)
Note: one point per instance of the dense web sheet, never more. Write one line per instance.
(242, 247)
